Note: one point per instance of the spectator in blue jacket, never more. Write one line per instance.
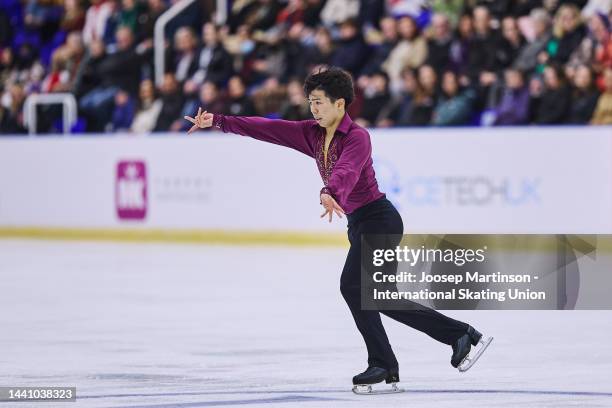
(513, 108)
(454, 106)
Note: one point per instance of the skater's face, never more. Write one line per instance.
(325, 112)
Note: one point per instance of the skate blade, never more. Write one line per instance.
(371, 389)
(470, 359)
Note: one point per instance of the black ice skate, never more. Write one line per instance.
(362, 383)
(461, 358)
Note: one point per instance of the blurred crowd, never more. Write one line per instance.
(415, 62)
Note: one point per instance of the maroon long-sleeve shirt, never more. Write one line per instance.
(348, 174)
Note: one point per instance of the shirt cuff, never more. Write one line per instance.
(218, 121)
(325, 190)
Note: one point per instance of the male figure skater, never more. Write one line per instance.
(343, 154)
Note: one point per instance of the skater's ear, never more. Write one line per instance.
(340, 103)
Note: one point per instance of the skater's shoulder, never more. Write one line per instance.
(350, 128)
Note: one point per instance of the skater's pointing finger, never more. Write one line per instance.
(189, 118)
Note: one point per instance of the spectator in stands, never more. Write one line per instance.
(25, 57)
(481, 63)
(184, 61)
(399, 109)
(602, 29)
(121, 70)
(268, 61)
(460, 46)
(603, 111)
(123, 112)
(264, 16)
(42, 17)
(240, 44)
(74, 16)
(596, 6)
(293, 13)
(65, 64)
(322, 52)
(439, 44)
(269, 98)
(554, 103)
(513, 108)
(424, 98)
(7, 64)
(147, 110)
(593, 48)
(11, 108)
(312, 12)
(568, 32)
(172, 103)
(95, 20)
(270, 42)
(209, 99)
(256, 14)
(454, 107)
(87, 77)
(214, 63)
(410, 51)
(238, 102)
(510, 45)
(155, 8)
(451, 9)
(370, 13)
(383, 47)
(296, 55)
(337, 11)
(351, 49)
(584, 96)
(33, 83)
(415, 8)
(129, 14)
(527, 59)
(296, 106)
(376, 96)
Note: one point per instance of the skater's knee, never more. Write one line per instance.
(349, 290)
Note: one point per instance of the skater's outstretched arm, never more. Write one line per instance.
(281, 132)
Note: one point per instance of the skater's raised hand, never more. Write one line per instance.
(331, 207)
(201, 121)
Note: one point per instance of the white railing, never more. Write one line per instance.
(221, 12)
(160, 25)
(69, 109)
(159, 39)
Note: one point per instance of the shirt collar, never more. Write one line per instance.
(345, 124)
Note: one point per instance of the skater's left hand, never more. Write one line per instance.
(331, 206)
(201, 121)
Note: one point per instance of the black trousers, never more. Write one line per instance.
(381, 217)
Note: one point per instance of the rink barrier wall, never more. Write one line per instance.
(218, 188)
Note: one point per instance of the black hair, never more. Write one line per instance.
(334, 81)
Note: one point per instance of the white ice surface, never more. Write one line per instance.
(155, 325)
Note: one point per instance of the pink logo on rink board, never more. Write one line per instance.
(131, 190)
